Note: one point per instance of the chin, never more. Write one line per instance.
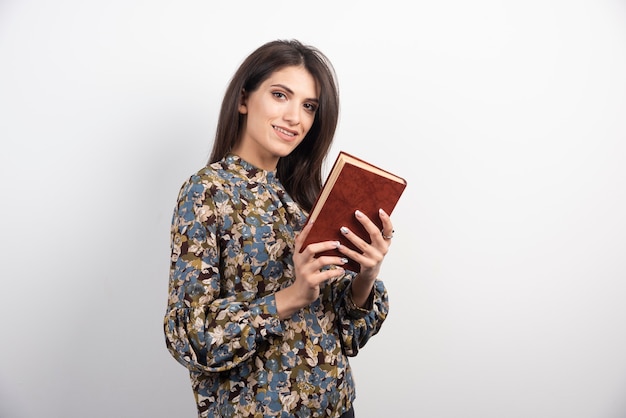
(283, 152)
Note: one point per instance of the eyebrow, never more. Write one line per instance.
(282, 86)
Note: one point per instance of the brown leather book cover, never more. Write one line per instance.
(352, 184)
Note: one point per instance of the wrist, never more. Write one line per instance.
(361, 289)
(286, 304)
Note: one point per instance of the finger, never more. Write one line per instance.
(320, 247)
(365, 250)
(387, 229)
(331, 260)
(301, 236)
(322, 262)
(314, 265)
(371, 228)
(326, 275)
(367, 260)
(316, 277)
(308, 263)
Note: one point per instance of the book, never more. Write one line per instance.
(352, 184)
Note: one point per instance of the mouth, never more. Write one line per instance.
(284, 131)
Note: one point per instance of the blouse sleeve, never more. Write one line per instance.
(357, 325)
(204, 331)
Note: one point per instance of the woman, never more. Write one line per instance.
(264, 328)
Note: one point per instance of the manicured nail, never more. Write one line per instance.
(382, 212)
(344, 230)
(358, 214)
(337, 244)
(344, 260)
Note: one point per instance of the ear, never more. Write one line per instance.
(243, 105)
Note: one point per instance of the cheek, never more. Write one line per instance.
(307, 121)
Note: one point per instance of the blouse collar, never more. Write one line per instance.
(254, 174)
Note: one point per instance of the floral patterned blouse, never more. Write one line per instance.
(232, 240)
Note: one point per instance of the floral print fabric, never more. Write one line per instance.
(232, 239)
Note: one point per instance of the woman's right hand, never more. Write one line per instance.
(310, 274)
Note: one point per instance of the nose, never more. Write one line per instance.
(292, 114)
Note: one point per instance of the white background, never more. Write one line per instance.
(507, 276)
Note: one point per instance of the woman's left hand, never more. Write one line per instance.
(370, 255)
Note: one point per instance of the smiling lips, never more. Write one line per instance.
(285, 134)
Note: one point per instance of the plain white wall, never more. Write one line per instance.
(507, 276)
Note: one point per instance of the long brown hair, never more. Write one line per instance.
(301, 171)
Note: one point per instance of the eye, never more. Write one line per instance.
(279, 94)
(311, 107)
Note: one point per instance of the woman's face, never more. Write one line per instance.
(278, 116)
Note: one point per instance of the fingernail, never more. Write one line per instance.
(344, 260)
(381, 211)
(337, 244)
(358, 214)
(344, 230)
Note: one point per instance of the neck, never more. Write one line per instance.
(267, 163)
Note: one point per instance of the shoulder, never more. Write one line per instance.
(207, 178)
(202, 192)
(213, 181)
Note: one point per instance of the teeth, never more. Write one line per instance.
(284, 131)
